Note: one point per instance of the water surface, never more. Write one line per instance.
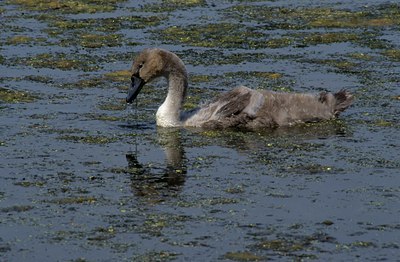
(86, 178)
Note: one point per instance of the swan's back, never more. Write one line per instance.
(229, 109)
(253, 109)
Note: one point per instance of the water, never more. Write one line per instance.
(86, 178)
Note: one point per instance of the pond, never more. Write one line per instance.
(85, 177)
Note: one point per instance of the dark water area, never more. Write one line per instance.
(84, 177)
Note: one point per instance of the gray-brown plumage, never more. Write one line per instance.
(241, 107)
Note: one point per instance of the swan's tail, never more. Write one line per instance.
(343, 100)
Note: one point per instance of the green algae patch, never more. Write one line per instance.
(99, 140)
(372, 16)
(156, 256)
(262, 80)
(308, 169)
(243, 256)
(69, 7)
(12, 96)
(303, 18)
(89, 83)
(341, 65)
(98, 40)
(105, 25)
(328, 38)
(22, 208)
(102, 117)
(291, 245)
(74, 200)
(60, 61)
(200, 78)
(30, 184)
(278, 42)
(282, 245)
(267, 75)
(19, 39)
(113, 106)
(361, 56)
(393, 54)
(172, 5)
(383, 123)
(119, 76)
(226, 35)
(214, 56)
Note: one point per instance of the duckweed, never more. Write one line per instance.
(12, 96)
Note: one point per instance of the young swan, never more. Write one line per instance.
(241, 107)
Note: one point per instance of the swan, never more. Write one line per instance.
(241, 107)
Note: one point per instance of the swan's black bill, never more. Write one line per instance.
(134, 90)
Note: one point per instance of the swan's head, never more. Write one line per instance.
(152, 63)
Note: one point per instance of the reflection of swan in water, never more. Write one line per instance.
(156, 183)
(258, 142)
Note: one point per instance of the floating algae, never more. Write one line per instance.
(302, 18)
(172, 5)
(227, 35)
(393, 54)
(12, 96)
(69, 7)
(60, 61)
(243, 256)
(88, 139)
(99, 40)
(119, 76)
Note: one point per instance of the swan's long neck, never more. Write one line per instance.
(168, 114)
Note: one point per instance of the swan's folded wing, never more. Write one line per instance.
(233, 102)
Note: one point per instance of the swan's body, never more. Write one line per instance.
(241, 107)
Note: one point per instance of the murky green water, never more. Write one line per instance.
(85, 178)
